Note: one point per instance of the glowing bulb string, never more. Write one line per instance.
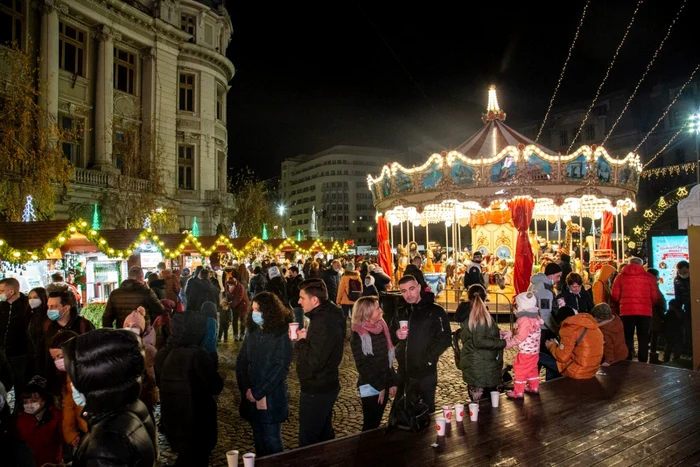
(663, 115)
(644, 75)
(605, 78)
(563, 70)
(666, 145)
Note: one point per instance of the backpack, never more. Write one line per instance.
(609, 283)
(354, 289)
(409, 412)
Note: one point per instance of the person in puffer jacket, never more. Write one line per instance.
(579, 349)
(635, 292)
(370, 289)
(527, 338)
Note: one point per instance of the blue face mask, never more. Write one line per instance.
(53, 314)
(78, 397)
(257, 318)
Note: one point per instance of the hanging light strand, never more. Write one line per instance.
(605, 78)
(563, 70)
(666, 145)
(644, 75)
(663, 115)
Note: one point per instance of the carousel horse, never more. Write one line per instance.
(428, 266)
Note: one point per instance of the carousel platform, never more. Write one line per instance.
(629, 414)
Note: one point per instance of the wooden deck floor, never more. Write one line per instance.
(634, 414)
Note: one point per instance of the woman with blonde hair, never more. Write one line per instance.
(374, 357)
(481, 359)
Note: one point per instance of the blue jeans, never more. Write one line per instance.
(550, 363)
(299, 316)
(268, 438)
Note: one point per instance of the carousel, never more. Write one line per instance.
(519, 199)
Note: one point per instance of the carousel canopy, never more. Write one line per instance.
(497, 165)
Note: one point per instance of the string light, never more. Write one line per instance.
(667, 144)
(658, 208)
(644, 75)
(663, 115)
(671, 170)
(563, 70)
(605, 78)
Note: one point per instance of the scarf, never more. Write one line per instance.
(365, 329)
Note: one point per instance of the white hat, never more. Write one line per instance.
(526, 301)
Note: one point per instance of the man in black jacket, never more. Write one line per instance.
(320, 350)
(413, 269)
(331, 277)
(15, 314)
(428, 336)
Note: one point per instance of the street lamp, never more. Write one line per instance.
(280, 209)
(695, 128)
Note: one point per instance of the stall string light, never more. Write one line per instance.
(563, 70)
(657, 209)
(607, 74)
(644, 75)
(663, 115)
(672, 170)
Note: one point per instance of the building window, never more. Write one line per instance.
(188, 23)
(186, 100)
(220, 104)
(590, 132)
(185, 167)
(563, 138)
(71, 145)
(124, 71)
(11, 21)
(71, 49)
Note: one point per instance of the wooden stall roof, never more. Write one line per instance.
(121, 239)
(30, 236)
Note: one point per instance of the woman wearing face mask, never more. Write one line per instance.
(37, 301)
(74, 426)
(261, 370)
(62, 317)
(136, 323)
(38, 423)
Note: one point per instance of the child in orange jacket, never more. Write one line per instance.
(527, 339)
(614, 345)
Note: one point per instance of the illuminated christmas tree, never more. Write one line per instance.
(147, 222)
(95, 218)
(264, 232)
(28, 215)
(234, 231)
(195, 227)
(284, 234)
(299, 235)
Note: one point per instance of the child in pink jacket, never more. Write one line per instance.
(527, 339)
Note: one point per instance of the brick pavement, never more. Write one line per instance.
(235, 433)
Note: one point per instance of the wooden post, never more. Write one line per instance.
(694, 253)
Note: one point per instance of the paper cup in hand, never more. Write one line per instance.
(403, 325)
(440, 425)
(459, 412)
(293, 330)
(248, 459)
(474, 411)
(494, 398)
(447, 413)
(232, 458)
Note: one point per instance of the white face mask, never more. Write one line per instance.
(32, 407)
(136, 331)
(34, 302)
(3, 297)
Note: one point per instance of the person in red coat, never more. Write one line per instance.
(635, 293)
(238, 302)
(38, 423)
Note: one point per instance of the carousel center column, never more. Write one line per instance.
(104, 98)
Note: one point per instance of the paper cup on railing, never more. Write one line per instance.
(293, 327)
(447, 413)
(459, 412)
(494, 398)
(249, 459)
(441, 425)
(474, 411)
(232, 458)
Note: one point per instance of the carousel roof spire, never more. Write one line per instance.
(493, 111)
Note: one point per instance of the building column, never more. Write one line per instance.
(48, 66)
(104, 99)
(149, 140)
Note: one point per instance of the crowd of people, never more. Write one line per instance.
(83, 394)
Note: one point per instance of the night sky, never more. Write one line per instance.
(311, 77)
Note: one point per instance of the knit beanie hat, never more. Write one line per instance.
(602, 312)
(526, 301)
(136, 318)
(552, 268)
(350, 267)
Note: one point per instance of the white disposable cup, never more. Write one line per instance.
(403, 325)
(447, 413)
(249, 459)
(441, 424)
(474, 411)
(494, 398)
(459, 412)
(232, 458)
(293, 330)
